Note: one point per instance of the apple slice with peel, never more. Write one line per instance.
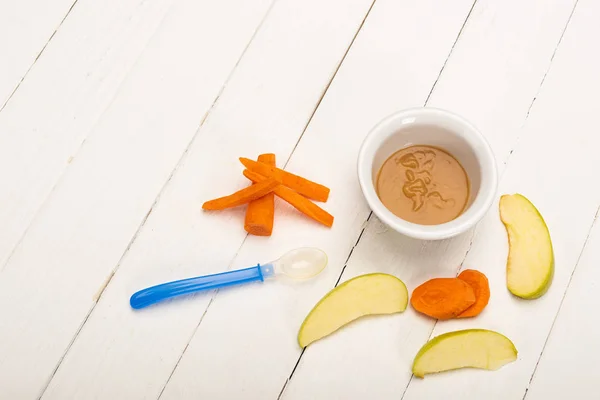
(364, 295)
(530, 264)
(470, 348)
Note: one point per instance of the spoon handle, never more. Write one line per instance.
(154, 294)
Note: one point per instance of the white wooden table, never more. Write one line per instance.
(118, 118)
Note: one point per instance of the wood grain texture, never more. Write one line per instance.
(497, 100)
(264, 108)
(127, 115)
(542, 142)
(62, 98)
(49, 286)
(568, 365)
(245, 346)
(26, 27)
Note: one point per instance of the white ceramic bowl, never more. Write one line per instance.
(439, 128)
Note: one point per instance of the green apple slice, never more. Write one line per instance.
(470, 348)
(530, 264)
(364, 295)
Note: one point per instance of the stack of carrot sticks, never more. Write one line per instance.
(269, 181)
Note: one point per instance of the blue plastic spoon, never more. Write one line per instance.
(302, 263)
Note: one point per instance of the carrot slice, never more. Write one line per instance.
(481, 287)
(443, 298)
(243, 196)
(261, 212)
(299, 202)
(307, 188)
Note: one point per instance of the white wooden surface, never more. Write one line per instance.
(119, 118)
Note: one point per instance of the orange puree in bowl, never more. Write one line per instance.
(424, 185)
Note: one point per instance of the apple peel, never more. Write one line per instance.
(470, 348)
(530, 262)
(370, 294)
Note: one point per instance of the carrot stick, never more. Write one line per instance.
(443, 298)
(243, 196)
(307, 188)
(481, 287)
(261, 212)
(299, 202)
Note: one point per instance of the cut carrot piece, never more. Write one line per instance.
(307, 188)
(299, 202)
(243, 196)
(481, 287)
(261, 212)
(443, 298)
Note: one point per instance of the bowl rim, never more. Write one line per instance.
(483, 151)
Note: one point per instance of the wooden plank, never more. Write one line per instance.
(25, 28)
(245, 346)
(567, 368)
(265, 107)
(568, 363)
(62, 97)
(48, 287)
(485, 81)
(566, 103)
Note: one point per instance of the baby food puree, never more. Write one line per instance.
(424, 185)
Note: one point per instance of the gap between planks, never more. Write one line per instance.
(501, 174)
(562, 300)
(4, 263)
(562, 34)
(365, 223)
(105, 284)
(318, 103)
(205, 117)
(38, 56)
